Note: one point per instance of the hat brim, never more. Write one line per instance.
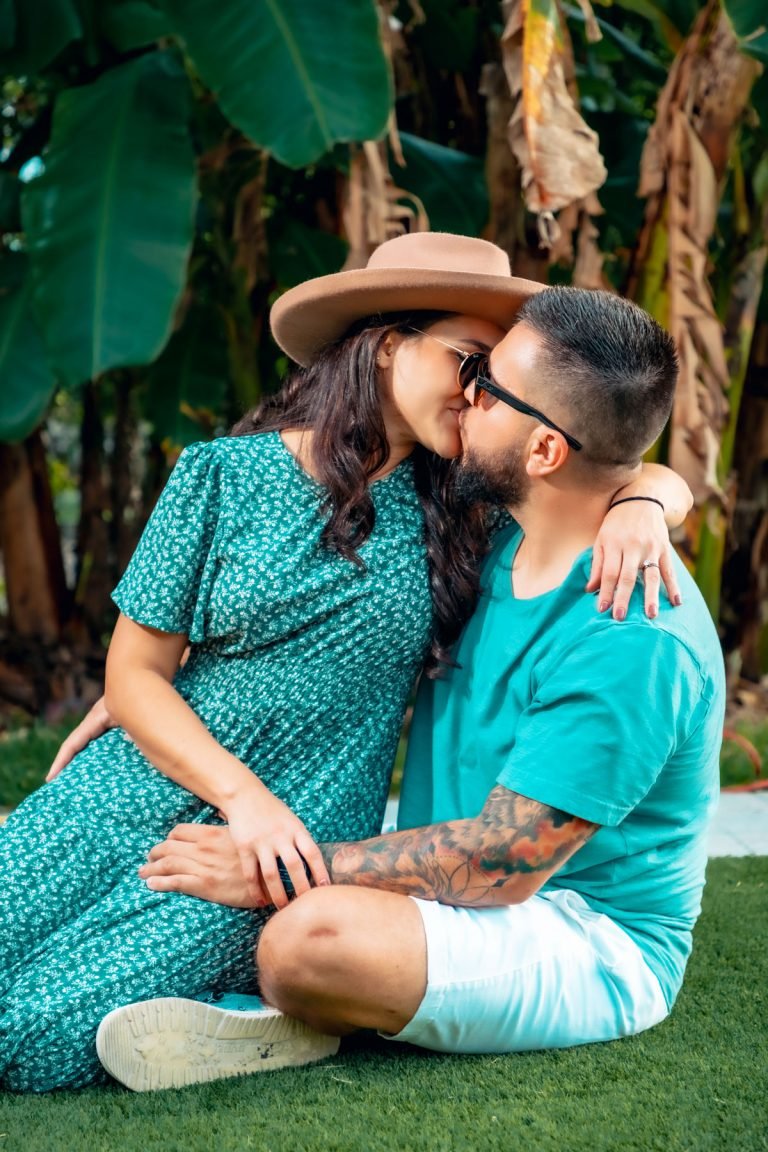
(307, 318)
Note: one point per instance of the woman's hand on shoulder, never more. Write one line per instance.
(266, 832)
(95, 723)
(633, 535)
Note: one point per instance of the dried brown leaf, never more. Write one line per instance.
(375, 210)
(557, 151)
(682, 168)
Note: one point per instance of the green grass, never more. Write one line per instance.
(26, 754)
(695, 1083)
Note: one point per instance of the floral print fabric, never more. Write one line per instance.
(300, 664)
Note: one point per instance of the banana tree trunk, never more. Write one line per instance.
(29, 541)
(94, 576)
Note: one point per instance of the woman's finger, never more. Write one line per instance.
(314, 859)
(609, 578)
(294, 866)
(652, 581)
(270, 878)
(65, 754)
(95, 723)
(77, 740)
(625, 586)
(608, 582)
(669, 577)
(596, 569)
(249, 864)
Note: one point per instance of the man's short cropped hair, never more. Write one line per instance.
(607, 367)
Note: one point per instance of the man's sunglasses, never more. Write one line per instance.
(474, 369)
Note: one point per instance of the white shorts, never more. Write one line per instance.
(548, 973)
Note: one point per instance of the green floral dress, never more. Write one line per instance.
(301, 663)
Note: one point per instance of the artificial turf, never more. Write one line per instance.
(699, 1081)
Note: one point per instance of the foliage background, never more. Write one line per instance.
(169, 167)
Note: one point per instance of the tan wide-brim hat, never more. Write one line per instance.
(423, 271)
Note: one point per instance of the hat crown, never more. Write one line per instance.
(441, 252)
(420, 271)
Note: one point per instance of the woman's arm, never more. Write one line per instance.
(662, 484)
(95, 723)
(636, 532)
(140, 696)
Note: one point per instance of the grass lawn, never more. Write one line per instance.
(26, 753)
(697, 1082)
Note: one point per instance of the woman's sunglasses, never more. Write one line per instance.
(474, 369)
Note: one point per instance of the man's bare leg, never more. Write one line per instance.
(345, 958)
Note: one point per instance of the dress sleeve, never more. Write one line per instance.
(168, 580)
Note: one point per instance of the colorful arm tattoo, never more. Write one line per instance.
(502, 856)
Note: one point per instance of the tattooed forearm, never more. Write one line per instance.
(502, 856)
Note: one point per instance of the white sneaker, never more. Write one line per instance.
(170, 1042)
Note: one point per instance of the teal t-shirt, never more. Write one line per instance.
(617, 723)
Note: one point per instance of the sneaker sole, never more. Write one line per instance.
(171, 1042)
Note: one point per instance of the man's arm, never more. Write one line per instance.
(500, 857)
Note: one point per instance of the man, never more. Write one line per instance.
(547, 871)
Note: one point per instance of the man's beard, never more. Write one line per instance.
(499, 479)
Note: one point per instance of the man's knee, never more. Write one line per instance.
(298, 944)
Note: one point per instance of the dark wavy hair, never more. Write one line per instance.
(337, 397)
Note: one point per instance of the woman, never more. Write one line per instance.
(313, 568)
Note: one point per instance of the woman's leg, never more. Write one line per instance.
(73, 840)
(133, 944)
(53, 867)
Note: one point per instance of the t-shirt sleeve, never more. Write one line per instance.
(603, 721)
(167, 582)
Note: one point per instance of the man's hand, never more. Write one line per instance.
(95, 723)
(201, 860)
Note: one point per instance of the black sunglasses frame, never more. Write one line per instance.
(484, 382)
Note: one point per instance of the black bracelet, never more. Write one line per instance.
(626, 499)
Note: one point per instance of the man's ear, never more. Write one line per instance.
(547, 452)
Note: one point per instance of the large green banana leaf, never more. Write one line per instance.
(7, 25)
(109, 224)
(298, 252)
(129, 24)
(26, 380)
(187, 386)
(34, 32)
(296, 76)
